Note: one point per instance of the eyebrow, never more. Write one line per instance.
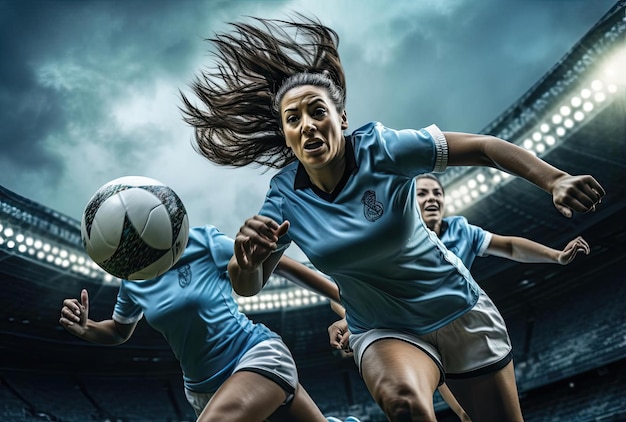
(314, 100)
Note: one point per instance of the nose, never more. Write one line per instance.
(307, 126)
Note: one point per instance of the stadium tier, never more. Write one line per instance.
(567, 324)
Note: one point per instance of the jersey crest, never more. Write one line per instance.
(372, 209)
(184, 275)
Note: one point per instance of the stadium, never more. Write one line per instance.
(567, 324)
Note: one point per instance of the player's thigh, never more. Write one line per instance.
(393, 367)
(301, 409)
(491, 396)
(244, 396)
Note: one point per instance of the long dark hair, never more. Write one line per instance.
(237, 123)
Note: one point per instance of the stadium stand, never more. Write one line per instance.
(567, 324)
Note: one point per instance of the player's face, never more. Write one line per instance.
(431, 200)
(312, 126)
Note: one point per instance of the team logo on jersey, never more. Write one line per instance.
(372, 209)
(184, 276)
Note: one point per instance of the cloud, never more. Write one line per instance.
(89, 89)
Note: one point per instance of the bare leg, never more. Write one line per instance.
(244, 397)
(301, 409)
(491, 397)
(402, 379)
(454, 405)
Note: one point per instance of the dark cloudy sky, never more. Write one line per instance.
(89, 89)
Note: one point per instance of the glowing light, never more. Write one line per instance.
(579, 116)
(557, 119)
(565, 110)
(545, 128)
(528, 144)
(576, 101)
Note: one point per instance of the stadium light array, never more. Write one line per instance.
(279, 293)
(553, 129)
(16, 241)
(279, 298)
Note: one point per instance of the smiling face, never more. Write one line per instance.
(431, 200)
(313, 127)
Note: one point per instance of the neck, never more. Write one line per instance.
(328, 177)
(435, 226)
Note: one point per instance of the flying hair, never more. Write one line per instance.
(236, 122)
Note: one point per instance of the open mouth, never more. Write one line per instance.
(314, 144)
(432, 208)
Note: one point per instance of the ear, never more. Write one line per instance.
(344, 120)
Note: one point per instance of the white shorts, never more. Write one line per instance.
(270, 358)
(474, 344)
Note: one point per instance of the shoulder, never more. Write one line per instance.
(456, 221)
(207, 235)
(286, 174)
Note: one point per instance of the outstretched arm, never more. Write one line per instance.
(524, 250)
(569, 193)
(75, 319)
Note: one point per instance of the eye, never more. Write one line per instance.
(292, 118)
(319, 111)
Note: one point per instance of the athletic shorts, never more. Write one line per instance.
(474, 344)
(270, 358)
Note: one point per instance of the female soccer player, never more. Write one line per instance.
(467, 242)
(277, 98)
(233, 369)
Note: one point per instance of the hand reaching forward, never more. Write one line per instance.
(577, 194)
(339, 334)
(74, 314)
(572, 249)
(256, 240)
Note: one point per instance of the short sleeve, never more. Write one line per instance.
(220, 246)
(272, 208)
(126, 311)
(482, 250)
(415, 151)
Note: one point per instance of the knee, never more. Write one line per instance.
(403, 403)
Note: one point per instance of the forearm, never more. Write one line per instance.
(307, 278)
(102, 332)
(245, 283)
(338, 309)
(522, 250)
(483, 150)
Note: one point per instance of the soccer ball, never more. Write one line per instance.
(135, 228)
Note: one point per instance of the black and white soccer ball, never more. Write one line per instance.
(135, 228)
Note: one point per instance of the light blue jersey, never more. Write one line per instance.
(464, 240)
(193, 308)
(392, 271)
